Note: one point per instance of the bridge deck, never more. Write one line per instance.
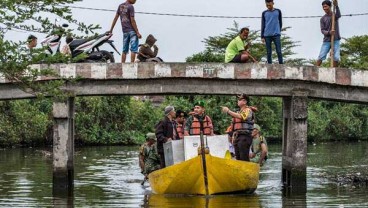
(347, 85)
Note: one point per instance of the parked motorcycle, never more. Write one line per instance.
(91, 48)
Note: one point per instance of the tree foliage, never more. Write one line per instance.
(115, 120)
(354, 52)
(36, 16)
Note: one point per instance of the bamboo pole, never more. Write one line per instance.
(333, 35)
(203, 155)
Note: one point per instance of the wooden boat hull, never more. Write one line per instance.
(224, 176)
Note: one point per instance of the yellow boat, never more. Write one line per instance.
(223, 176)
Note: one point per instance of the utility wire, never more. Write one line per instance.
(21, 30)
(212, 16)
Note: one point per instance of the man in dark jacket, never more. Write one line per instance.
(146, 54)
(166, 131)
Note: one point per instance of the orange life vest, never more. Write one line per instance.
(195, 129)
(180, 130)
(244, 125)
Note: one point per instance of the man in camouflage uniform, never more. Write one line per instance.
(151, 159)
(259, 146)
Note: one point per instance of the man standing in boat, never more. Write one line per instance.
(166, 131)
(242, 123)
(199, 121)
(259, 146)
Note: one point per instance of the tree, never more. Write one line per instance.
(354, 52)
(32, 16)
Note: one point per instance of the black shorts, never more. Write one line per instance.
(236, 59)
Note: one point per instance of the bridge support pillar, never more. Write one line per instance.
(294, 150)
(63, 147)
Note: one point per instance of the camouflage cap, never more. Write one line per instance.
(151, 136)
(256, 126)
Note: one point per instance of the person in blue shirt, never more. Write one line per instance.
(271, 30)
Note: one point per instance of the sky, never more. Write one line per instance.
(181, 37)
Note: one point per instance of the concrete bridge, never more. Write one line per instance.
(216, 79)
(294, 84)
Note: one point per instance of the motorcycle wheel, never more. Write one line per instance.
(107, 57)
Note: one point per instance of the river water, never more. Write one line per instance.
(110, 177)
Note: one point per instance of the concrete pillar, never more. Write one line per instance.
(63, 148)
(294, 150)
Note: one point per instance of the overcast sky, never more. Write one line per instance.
(180, 37)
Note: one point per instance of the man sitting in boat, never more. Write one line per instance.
(199, 121)
(259, 146)
(151, 159)
(242, 122)
(180, 122)
(166, 131)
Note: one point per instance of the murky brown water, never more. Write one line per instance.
(110, 177)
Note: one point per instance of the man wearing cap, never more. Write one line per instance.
(150, 157)
(199, 122)
(259, 146)
(242, 123)
(166, 131)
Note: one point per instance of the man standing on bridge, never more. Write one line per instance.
(327, 31)
(271, 30)
(130, 29)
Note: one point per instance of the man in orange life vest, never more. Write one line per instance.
(242, 123)
(180, 122)
(193, 124)
(165, 132)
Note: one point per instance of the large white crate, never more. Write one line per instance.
(174, 152)
(177, 151)
(217, 144)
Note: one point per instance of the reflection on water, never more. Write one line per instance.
(110, 177)
(154, 200)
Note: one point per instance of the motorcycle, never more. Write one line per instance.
(89, 46)
(52, 42)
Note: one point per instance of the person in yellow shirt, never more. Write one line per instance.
(236, 51)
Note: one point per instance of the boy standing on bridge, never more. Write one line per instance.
(130, 30)
(326, 29)
(271, 30)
